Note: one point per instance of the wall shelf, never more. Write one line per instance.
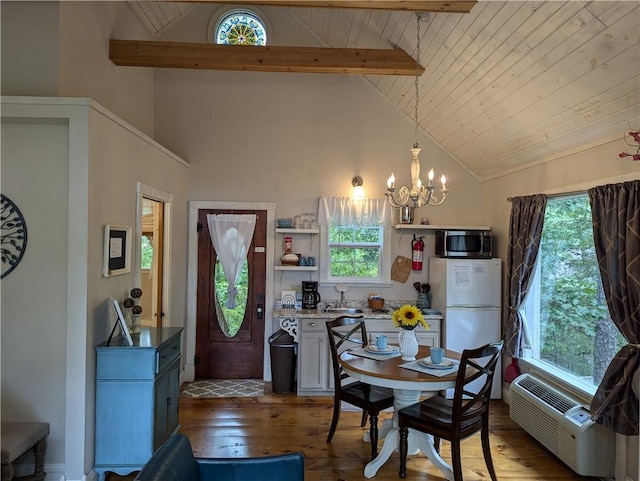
(296, 268)
(292, 231)
(281, 230)
(440, 227)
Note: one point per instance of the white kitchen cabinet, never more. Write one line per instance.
(315, 375)
(314, 360)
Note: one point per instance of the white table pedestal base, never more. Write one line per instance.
(417, 441)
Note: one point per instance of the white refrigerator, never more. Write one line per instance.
(468, 293)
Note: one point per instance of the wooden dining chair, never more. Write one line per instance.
(458, 418)
(371, 399)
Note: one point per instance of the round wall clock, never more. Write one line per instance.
(14, 235)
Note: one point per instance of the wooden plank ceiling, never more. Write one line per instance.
(509, 85)
(459, 6)
(279, 58)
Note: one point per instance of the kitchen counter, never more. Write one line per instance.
(319, 314)
(307, 327)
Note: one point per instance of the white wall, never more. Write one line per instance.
(31, 69)
(84, 66)
(291, 138)
(35, 160)
(62, 49)
(249, 136)
(120, 158)
(596, 165)
(55, 306)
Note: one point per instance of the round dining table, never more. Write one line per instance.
(408, 387)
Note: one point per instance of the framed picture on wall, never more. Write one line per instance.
(117, 250)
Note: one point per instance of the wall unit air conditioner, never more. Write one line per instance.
(563, 425)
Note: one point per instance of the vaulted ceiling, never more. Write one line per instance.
(508, 85)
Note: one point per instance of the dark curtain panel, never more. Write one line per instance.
(525, 230)
(616, 231)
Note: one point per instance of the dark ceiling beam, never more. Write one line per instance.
(452, 6)
(358, 61)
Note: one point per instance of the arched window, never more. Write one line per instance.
(240, 27)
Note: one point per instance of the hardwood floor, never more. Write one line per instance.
(276, 423)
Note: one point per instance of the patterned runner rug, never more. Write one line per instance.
(223, 388)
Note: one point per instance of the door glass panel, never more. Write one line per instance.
(232, 317)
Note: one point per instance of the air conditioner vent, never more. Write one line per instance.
(562, 425)
(559, 403)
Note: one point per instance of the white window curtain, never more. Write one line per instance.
(348, 211)
(231, 236)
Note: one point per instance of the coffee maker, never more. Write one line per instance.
(310, 295)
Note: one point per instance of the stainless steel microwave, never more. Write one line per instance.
(463, 243)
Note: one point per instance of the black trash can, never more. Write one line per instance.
(283, 362)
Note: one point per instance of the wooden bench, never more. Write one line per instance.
(18, 438)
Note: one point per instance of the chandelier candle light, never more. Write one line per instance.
(419, 194)
(408, 317)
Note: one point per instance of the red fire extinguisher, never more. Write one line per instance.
(417, 251)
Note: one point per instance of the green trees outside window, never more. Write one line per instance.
(235, 316)
(355, 251)
(575, 331)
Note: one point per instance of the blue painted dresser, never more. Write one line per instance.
(137, 390)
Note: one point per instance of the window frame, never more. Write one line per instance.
(384, 277)
(219, 15)
(530, 358)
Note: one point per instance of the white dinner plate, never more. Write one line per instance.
(373, 349)
(445, 364)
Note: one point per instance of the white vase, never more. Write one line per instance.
(135, 324)
(408, 344)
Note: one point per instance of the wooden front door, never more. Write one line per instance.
(241, 356)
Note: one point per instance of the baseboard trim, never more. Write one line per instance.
(55, 471)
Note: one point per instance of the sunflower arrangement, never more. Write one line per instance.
(409, 317)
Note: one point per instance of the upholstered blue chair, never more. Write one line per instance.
(174, 461)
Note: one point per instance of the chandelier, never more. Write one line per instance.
(419, 194)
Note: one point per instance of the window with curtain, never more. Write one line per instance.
(572, 334)
(355, 245)
(355, 252)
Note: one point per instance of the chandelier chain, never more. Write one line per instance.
(415, 112)
(418, 194)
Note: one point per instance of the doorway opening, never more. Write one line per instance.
(151, 262)
(152, 247)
